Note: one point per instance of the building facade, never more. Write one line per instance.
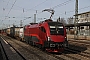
(84, 18)
(82, 27)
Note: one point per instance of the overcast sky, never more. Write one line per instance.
(12, 11)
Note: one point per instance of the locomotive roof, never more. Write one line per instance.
(16, 27)
(55, 23)
(49, 21)
(33, 23)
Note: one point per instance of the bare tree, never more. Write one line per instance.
(70, 20)
(62, 20)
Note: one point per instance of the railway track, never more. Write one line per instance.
(76, 53)
(6, 56)
(28, 51)
(3, 52)
(71, 53)
(83, 42)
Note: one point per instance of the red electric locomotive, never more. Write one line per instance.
(48, 35)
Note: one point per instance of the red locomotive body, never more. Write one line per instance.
(48, 35)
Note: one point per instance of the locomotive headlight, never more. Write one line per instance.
(65, 38)
(48, 38)
(66, 42)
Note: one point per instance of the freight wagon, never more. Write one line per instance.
(21, 34)
(14, 31)
(8, 31)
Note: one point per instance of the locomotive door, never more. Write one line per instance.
(42, 33)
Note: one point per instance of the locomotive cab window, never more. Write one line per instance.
(43, 29)
(56, 28)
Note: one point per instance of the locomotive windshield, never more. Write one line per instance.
(56, 28)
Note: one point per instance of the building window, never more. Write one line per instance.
(87, 15)
(82, 27)
(81, 16)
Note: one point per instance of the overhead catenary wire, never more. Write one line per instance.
(14, 5)
(62, 4)
(54, 6)
(74, 10)
(27, 8)
(66, 2)
(71, 10)
(11, 7)
(33, 8)
(22, 7)
(59, 5)
(7, 3)
(37, 5)
(4, 8)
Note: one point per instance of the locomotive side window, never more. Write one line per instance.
(43, 29)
